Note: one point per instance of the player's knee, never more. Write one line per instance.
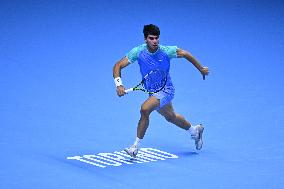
(144, 111)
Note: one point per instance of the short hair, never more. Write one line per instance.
(151, 29)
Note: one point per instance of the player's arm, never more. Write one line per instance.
(188, 56)
(117, 75)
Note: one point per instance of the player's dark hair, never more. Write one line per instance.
(151, 29)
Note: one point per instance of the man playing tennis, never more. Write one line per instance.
(154, 56)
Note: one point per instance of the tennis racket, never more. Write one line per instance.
(153, 82)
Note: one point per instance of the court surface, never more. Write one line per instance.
(58, 98)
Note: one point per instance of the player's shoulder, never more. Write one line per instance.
(134, 53)
(171, 51)
(167, 47)
(136, 50)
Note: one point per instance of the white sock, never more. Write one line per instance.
(137, 141)
(192, 130)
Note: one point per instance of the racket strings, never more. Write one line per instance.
(155, 81)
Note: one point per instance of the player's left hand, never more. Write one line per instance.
(204, 71)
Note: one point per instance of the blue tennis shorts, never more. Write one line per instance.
(165, 96)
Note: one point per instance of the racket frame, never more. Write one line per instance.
(138, 88)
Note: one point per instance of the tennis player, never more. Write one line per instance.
(152, 56)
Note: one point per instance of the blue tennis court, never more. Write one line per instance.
(63, 126)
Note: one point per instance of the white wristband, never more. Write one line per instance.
(118, 81)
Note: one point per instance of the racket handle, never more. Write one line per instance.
(203, 76)
(129, 90)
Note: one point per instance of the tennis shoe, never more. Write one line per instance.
(197, 137)
(132, 151)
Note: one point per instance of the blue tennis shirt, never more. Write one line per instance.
(151, 61)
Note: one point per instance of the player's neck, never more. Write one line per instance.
(152, 50)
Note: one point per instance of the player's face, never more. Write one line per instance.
(152, 42)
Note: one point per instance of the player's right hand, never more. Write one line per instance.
(120, 90)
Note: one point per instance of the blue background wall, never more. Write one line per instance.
(58, 99)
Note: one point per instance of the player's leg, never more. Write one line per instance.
(195, 131)
(171, 116)
(146, 108)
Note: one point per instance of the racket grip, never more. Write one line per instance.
(203, 77)
(128, 90)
